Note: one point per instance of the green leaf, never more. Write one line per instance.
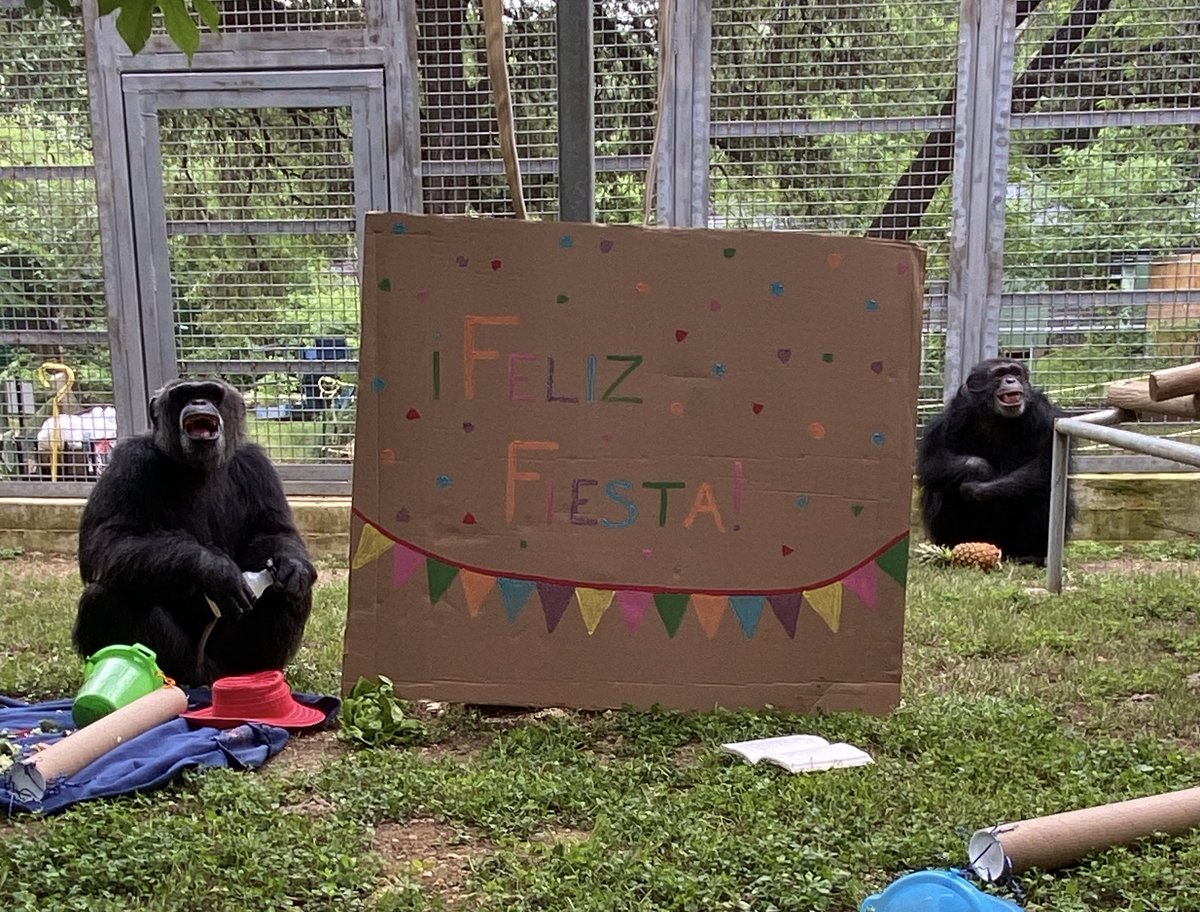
(209, 14)
(372, 715)
(134, 22)
(107, 6)
(181, 28)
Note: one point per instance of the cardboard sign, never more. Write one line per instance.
(606, 465)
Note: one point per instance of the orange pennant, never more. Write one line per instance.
(710, 609)
(476, 587)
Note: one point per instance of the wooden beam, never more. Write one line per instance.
(1175, 381)
(1136, 396)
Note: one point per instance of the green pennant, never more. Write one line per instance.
(894, 561)
(440, 577)
(671, 607)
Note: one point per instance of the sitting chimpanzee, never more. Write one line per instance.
(179, 513)
(984, 464)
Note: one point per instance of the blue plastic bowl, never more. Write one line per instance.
(935, 891)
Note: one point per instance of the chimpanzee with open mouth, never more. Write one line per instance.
(178, 515)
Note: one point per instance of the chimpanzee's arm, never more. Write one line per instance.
(271, 532)
(940, 466)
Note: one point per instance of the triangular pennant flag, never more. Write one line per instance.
(476, 587)
(634, 605)
(748, 609)
(671, 606)
(405, 562)
(555, 599)
(515, 594)
(862, 583)
(440, 577)
(787, 609)
(827, 602)
(592, 605)
(894, 561)
(371, 544)
(709, 611)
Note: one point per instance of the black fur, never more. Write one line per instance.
(176, 518)
(984, 466)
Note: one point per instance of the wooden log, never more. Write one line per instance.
(1135, 396)
(1175, 381)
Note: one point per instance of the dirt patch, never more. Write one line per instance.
(307, 753)
(32, 565)
(456, 747)
(433, 854)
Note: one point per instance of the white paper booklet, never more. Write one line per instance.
(799, 753)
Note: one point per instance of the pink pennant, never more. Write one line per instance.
(406, 562)
(862, 583)
(634, 605)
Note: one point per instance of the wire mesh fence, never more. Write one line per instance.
(836, 117)
(55, 374)
(1103, 196)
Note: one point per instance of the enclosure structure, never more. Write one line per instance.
(166, 216)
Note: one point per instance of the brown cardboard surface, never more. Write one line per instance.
(599, 465)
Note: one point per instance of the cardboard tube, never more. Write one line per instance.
(30, 778)
(1061, 839)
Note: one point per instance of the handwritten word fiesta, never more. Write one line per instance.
(616, 491)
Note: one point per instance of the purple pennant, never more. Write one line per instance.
(787, 609)
(555, 598)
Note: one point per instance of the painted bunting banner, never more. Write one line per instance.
(606, 465)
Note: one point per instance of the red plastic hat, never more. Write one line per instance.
(260, 697)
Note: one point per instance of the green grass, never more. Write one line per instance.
(1015, 704)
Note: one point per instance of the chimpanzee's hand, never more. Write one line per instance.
(977, 468)
(222, 581)
(294, 576)
(976, 490)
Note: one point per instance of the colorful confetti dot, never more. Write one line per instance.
(856, 509)
(378, 384)
(444, 481)
(714, 305)
(730, 252)
(399, 228)
(412, 414)
(385, 284)
(387, 456)
(737, 527)
(757, 408)
(402, 515)
(496, 264)
(871, 305)
(777, 289)
(680, 335)
(827, 357)
(785, 550)
(901, 268)
(877, 367)
(421, 295)
(468, 519)
(816, 430)
(468, 426)
(437, 334)
(647, 553)
(642, 288)
(562, 299)
(802, 501)
(834, 260)
(877, 438)
(461, 260)
(606, 245)
(566, 242)
(676, 408)
(784, 355)
(718, 369)
(524, 544)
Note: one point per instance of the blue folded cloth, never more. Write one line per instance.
(148, 761)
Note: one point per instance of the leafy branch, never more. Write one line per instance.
(135, 19)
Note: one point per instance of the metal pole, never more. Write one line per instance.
(1058, 509)
(576, 114)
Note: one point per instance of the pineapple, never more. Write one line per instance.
(981, 555)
